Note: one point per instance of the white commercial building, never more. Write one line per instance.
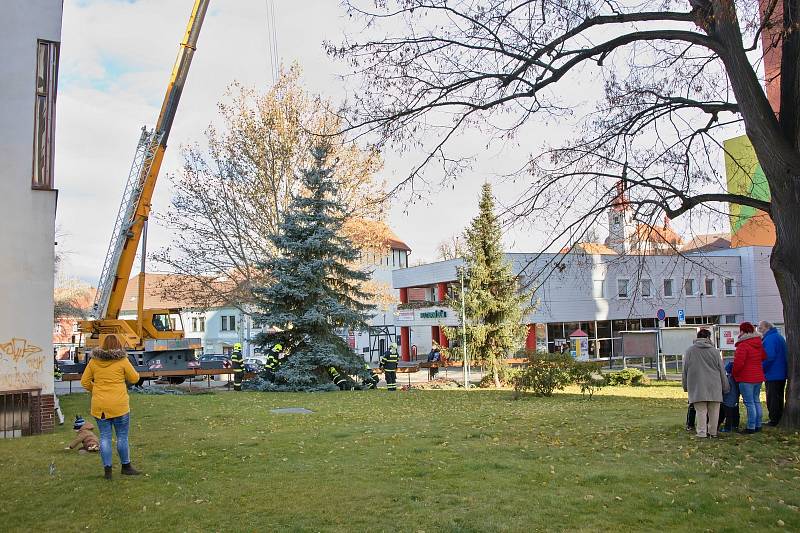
(604, 289)
(606, 294)
(30, 33)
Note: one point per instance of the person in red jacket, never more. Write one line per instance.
(749, 373)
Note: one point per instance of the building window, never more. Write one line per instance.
(44, 120)
(647, 288)
(622, 288)
(194, 323)
(669, 288)
(711, 287)
(730, 319)
(690, 287)
(597, 288)
(228, 323)
(202, 324)
(730, 289)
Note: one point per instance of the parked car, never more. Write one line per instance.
(215, 361)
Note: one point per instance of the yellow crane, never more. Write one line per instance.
(151, 338)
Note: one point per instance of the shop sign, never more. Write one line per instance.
(433, 314)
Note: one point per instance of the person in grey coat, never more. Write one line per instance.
(705, 380)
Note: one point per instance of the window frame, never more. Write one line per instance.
(627, 289)
(725, 287)
(713, 281)
(602, 283)
(649, 284)
(47, 94)
(695, 293)
(672, 288)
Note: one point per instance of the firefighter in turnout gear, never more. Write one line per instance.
(389, 366)
(338, 378)
(370, 382)
(237, 362)
(272, 364)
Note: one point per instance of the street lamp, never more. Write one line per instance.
(702, 320)
(464, 330)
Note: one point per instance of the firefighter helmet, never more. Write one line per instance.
(237, 346)
(277, 348)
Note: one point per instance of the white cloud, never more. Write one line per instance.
(115, 63)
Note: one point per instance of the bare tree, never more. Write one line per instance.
(452, 248)
(677, 76)
(229, 198)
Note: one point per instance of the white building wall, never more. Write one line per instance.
(759, 290)
(27, 226)
(567, 293)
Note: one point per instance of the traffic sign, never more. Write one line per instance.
(661, 315)
(681, 316)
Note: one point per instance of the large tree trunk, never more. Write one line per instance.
(785, 263)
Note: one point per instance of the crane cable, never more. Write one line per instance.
(272, 41)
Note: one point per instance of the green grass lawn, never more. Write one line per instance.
(409, 461)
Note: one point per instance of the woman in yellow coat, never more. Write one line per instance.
(105, 378)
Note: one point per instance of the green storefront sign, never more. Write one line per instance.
(433, 314)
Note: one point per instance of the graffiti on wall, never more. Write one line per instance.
(21, 364)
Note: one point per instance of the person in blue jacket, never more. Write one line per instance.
(730, 403)
(774, 370)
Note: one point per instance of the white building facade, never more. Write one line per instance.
(30, 35)
(606, 294)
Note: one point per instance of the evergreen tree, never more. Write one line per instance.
(494, 305)
(314, 290)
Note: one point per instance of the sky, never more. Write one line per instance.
(116, 57)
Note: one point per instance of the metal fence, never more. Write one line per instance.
(18, 413)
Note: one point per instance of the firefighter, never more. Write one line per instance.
(370, 382)
(237, 361)
(338, 378)
(389, 366)
(272, 364)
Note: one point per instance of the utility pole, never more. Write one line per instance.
(464, 331)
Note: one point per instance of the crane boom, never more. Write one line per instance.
(135, 206)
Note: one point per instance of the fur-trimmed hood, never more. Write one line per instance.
(108, 355)
(747, 336)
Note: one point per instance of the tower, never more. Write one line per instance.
(621, 225)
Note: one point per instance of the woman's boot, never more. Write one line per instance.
(128, 470)
(108, 471)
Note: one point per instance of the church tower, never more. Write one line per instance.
(621, 225)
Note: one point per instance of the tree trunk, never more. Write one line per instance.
(495, 372)
(785, 263)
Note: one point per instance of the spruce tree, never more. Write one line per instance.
(494, 305)
(314, 289)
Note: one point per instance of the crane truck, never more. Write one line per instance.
(152, 342)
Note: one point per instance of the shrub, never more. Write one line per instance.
(546, 373)
(587, 376)
(632, 377)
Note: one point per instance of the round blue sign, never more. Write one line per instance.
(661, 314)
